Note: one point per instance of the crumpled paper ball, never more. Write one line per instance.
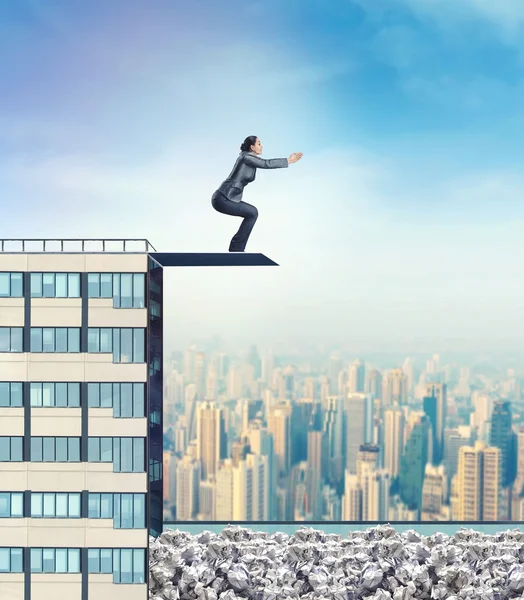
(376, 564)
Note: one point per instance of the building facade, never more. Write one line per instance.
(80, 423)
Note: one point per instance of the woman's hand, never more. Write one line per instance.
(295, 157)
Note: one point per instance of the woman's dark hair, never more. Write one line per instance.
(248, 142)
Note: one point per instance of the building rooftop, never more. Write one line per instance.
(133, 245)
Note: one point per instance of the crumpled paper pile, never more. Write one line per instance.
(376, 564)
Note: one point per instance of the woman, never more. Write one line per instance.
(228, 198)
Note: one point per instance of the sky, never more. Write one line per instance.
(402, 221)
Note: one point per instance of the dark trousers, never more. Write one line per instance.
(237, 209)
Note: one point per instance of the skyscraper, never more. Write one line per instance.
(413, 463)
(279, 424)
(210, 438)
(188, 480)
(394, 423)
(359, 426)
(396, 388)
(439, 392)
(357, 377)
(501, 436)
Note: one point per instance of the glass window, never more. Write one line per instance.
(126, 345)
(126, 565)
(116, 345)
(48, 560)
(139, 390)
(74, 501)
(117, 514)
(106, 506)
(106, 395)
(116, 291)
(73, 556)
(48, 339)
(62, 505)
(139, 511)
(36, 394)
(17, 504)
(36, 339)
(48, 394)
(106, 449)
(93, 285)
(116, 566)
(73, 339)
(126, 400)
(93, 339)
(5, 339)
(5, 560)
(49, 449)
(61, 285)
(138, 455)
(11, 285)
(93, 395)
(11, 394)
(37, 504)
(36, 449)
(61, 339)
(106, 560)
(48, 285)
(126, 455)
(116, 400)
(126, 290)
(11, 339)
(73, 395)
(11, 449)
(61, 395)
(138, 346)
(5, 394)
(5, 505)
(36, 285)
(61, 449)
(93, 449)
(139, 290)
(93, 560)
(138, 566)
(16, 560)
(116, 455)
(61, 560)
(5, 285)
(73, 285)
(127, 511)
(106, 285)
(73, 449)
(36, 560)
(49, 505)
(106, 335)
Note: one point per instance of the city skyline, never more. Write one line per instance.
(402, 221)
(255, 436)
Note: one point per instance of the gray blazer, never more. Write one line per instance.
(245, 171)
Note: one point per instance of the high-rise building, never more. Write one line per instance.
(396, 388)
(279, 424)
(333, 467)
(434, 494)
(439, 392)
(81, 470)
(375, 384)
(394, 423)
(478, 483)
(501, 436)
(359, 426)
(188, 480)
(211, 438)
(454, 439)
(413, 463)
(357, 377)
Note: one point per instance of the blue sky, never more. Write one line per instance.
(404, 218)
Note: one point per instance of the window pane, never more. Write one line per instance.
(93, 449)
(61, 505)
(17, 285)
(139, 290)
(127, 511)
(138, 346)
(116, 566)
(116, 455)
(16, 560)
(61, 449)
(126, 456)
(138, 455)
(5, 394)
(93, 561)
(116, 400)
(126, 301)
(36, 285)
(116, 345)
(5, 285)
(93, 339)
(73, 395)
(74, 505)
(138, 566)
(5, 505)
(116, 290)
(17, 505)
(138, 399)
(36, 449)
(73, 560)
(17, 449)
(126, 400)
(106, 395)
(48, 560)
(94, 506)
(93, 395)
(61, 285)
(48, 339)
(36, 560)
(37, 504)
(61, 560)
(73, 448)
(117, 512)
(60, 395)
(36, 339)
(106, 449)
(106, 335)
(73, 339)
(5, 339)
(126, 565)
(49, 285)
(93, 285)
(126, 345)
(74, 285)
(48, 394)
(5, 560)
(61, 339)
(106, 561)
(106, 506)
(36, 394)
(17, 343)
(5, 449)
(17, 395)
(106, 285)
(49, 449)
(49, 505)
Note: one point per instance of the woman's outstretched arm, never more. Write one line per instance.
(263, 163)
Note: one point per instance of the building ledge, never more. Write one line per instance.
(212, 259)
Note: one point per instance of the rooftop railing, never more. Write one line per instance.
(76, 245)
